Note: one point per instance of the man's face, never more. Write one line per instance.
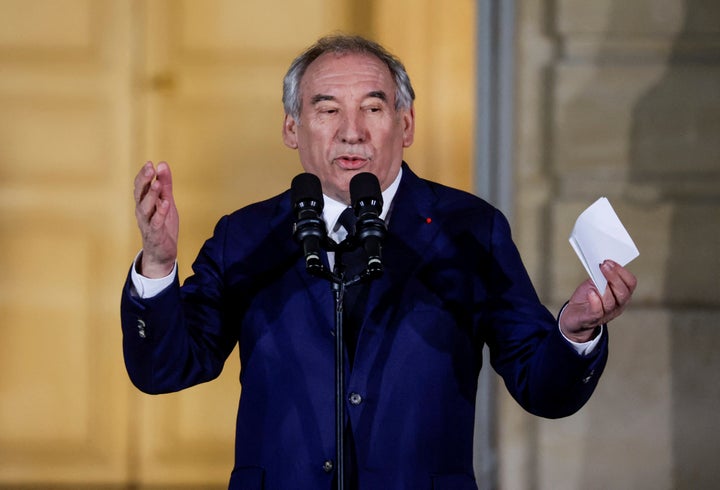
(348, 122)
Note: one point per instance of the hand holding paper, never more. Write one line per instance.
(599, 238)
(599, 235)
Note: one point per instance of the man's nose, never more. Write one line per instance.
(352, 129)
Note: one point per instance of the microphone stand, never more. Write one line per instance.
(338, 285)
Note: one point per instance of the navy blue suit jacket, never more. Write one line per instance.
(453, 282)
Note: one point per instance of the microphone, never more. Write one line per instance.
(309, 229)
(367, 203)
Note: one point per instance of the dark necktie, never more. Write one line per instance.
(354, 261)
(347, 220)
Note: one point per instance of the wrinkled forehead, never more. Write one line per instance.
(337, 71)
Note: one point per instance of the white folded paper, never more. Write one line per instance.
(599, 235)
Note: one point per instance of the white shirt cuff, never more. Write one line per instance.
(585, 348)
(146, 287)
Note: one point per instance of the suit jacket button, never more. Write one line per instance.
(355, 398)
(141, 328)
(328, 466)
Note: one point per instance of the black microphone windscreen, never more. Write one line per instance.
(306, 187)
(365, 186)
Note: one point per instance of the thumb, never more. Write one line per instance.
(595, 306)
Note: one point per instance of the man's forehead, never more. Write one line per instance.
(334, 67)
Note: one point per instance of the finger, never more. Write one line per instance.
(627, 277)
(142, 181)
(621, 283)
(160, 213)
(164, 176)
(620, 293)
(145, 209)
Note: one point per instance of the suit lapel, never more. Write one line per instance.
(410, 232)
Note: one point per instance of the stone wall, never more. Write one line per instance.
(621, 99)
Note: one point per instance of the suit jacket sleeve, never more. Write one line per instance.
(540, 368)
(176, 339)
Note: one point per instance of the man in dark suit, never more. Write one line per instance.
(453, 282)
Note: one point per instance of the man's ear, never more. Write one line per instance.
(290, 132)
(408, 120)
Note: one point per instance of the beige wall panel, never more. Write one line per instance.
(77, 130)
(62, 393)
(65, 90)
(228, 27)
(224, 149)
(192, 433)
(49, 26)
(44, 342)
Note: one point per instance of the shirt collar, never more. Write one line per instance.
(333, 208)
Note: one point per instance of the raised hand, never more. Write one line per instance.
(587, 309)
(157, 218)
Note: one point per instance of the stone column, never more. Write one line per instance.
(621, 99)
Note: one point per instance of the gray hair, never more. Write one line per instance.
(344, 44)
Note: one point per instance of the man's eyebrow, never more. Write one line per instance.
(375, 94)
(321, 98)
(378, 94)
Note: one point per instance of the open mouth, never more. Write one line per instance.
(351, 162)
